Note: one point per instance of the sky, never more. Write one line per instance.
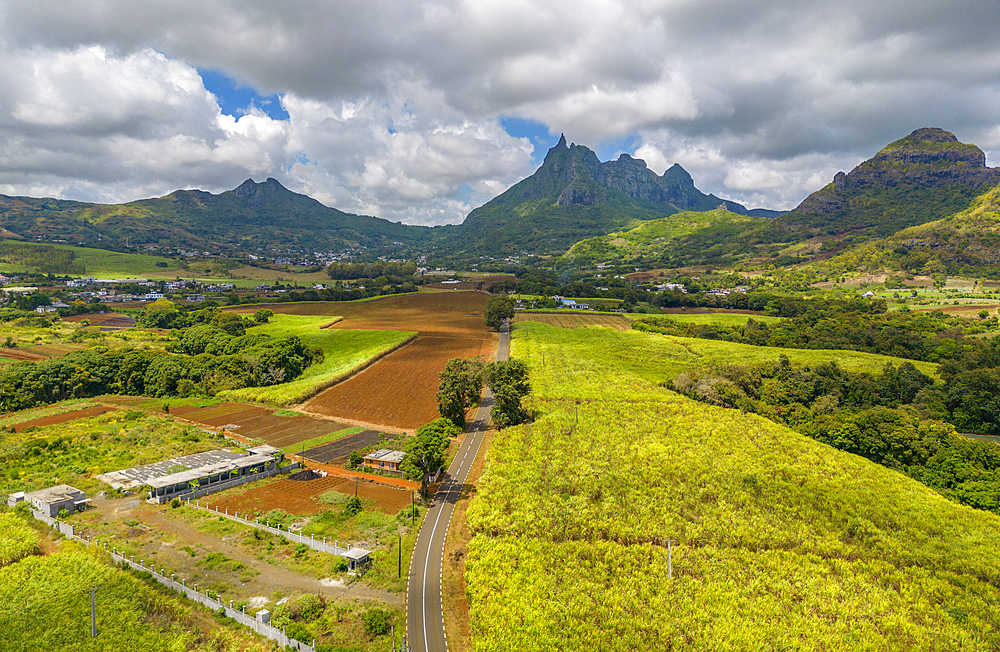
(421, 111)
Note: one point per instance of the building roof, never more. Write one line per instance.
(56, 494)
(263, 449)
(386, 455)
(137, 476)
(356, 554)
(208, 470)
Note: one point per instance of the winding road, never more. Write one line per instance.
(424, 615)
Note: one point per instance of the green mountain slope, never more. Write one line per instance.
(252, 215)
(574, 195)
(778, 542)
(686, 238)
(967, 243)
(923, 177)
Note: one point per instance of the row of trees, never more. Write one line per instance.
(461, 387)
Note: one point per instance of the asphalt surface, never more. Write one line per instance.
(424, 614)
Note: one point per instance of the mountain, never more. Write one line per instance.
(573, 195)
(683, 239)
(251, 216)
(923, 177)
(964, 244)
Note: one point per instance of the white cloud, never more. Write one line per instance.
(393, 105)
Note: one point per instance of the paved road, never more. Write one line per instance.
(424, 616)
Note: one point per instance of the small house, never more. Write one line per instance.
(50, 501)
(384, 460)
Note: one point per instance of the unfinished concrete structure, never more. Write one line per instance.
(181, 477)
(51, 500)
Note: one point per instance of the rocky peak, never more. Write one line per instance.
(259, 193)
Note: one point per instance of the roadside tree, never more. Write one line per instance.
(460, 388)
(425, 450)
(498, 308)
(509, 382)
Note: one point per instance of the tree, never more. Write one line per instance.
(461, 387)
(509, 382)
(498, 308)
(263, 316)
(425, 450)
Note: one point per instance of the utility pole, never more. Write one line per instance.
(400, 563)
(93, 612)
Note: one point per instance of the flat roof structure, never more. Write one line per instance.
(137, 476)
(386, 455)
(197, 473)
(56, 494)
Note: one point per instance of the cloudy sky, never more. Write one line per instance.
(420, 111)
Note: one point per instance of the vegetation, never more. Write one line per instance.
(769, 528)
(343, 353)
(17, 538)
(426, 450)
(498, 309)
(460, 388)
(508, 379)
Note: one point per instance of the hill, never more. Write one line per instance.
(923, 177)
(574, 195)
(251, 216)
(965, 244)
(777, 541)
(686, 238)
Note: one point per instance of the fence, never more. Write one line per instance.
(261, 628)
(356, 556)
(228, 484)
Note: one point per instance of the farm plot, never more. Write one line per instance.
(106, 322)
(260, 423)
(574, 320)
(399, 391)
(302, 497)
(335, 451)
(64, 417)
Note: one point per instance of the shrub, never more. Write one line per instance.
(353, 506)
(175, 503)
(376, 621)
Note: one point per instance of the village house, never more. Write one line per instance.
(384, 460)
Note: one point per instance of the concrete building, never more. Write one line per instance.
(50, 501)
(384, 460)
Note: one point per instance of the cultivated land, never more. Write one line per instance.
(779, 542)
(344, 352)
(574, 320)
(399, 391)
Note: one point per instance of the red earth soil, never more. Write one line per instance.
(258, 422)
(64, 417)
(301, 497)
(399, 391)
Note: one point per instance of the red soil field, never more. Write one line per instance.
(399, 391)
(301, 497)
(64, 417)
(257, 422)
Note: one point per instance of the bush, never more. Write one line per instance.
(175, 503)
(353, 506)
(376, 621)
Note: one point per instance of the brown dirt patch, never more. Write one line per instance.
(65, 416)
(255, 422)
(301, 497)
(399, 391)
(574, 320)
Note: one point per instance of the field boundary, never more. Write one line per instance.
(347, 375)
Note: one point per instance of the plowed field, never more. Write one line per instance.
(338, 451)
(399, 391)
(301, 497)
(257, 422)
(64, 417)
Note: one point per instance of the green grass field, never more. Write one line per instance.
(344, 351)
(723, 319)
(779, 542)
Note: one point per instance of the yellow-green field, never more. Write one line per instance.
(344, 351)
(778, 542)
